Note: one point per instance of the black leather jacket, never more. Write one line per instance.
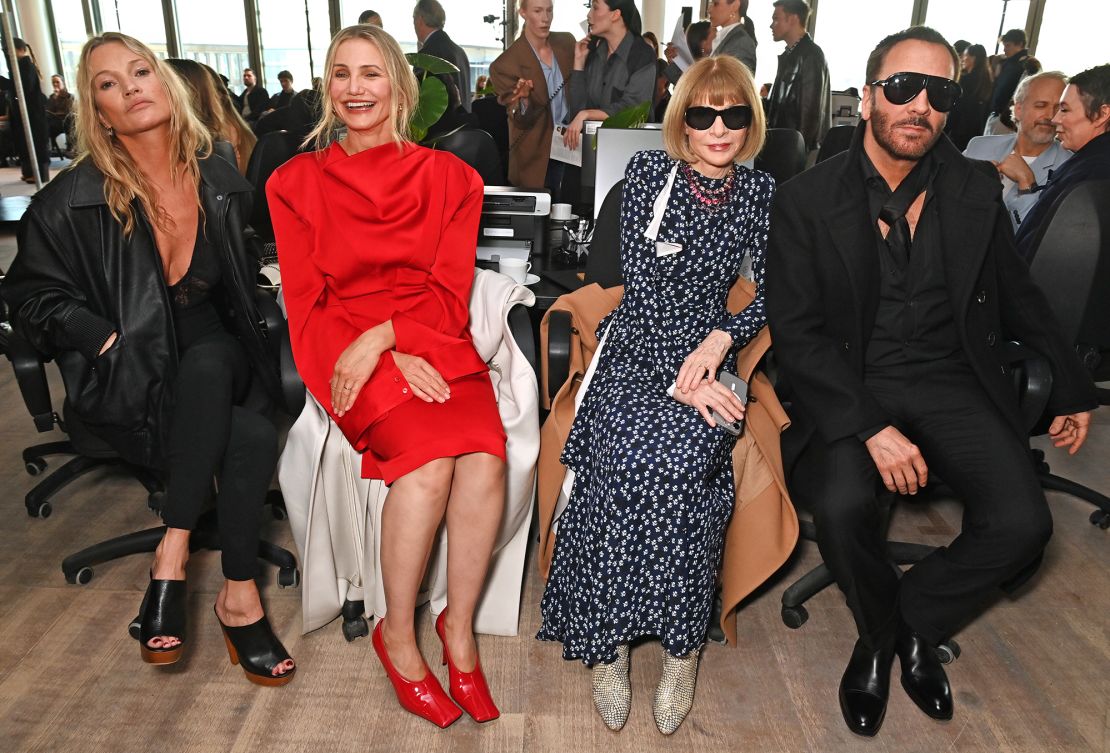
(800, 98)
(77, 278)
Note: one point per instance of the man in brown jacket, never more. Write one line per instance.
(529, 79)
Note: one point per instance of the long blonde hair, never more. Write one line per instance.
(124, 182)
(212, 104)
(404, 90)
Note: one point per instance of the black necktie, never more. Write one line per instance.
(893, 211)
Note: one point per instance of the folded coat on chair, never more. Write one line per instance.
(763, 529)
(335, 514)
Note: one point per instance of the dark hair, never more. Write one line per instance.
(1093, 86)
(977, 83)
(961, 46)
(248, 70)
(1031, 66)
(748, 24)
(696, 34)
(366, 15)
(919, 33)
(285, 74)
(629, 15)
(799, 8)
(660, 68)
(1014, 36)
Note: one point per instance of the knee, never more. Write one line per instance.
(253, 435)
(841, 512)
(431, 480)
(486, 468)
(1025, 534)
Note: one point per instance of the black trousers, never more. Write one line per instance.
(967, 443)
(211, 437)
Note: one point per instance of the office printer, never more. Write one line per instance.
(512, 224)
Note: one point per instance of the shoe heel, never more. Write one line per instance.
(231, 652)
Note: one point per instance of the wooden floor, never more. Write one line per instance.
(1034, 674)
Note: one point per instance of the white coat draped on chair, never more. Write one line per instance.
(335, 514)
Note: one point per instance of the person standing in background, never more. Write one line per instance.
(36, 114)
(800, 98)
(735, 31)
(428, 18)
(1009, 73)
(968, 117)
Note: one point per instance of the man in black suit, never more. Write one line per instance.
(892, 286)
(254, 100)
(428, 18)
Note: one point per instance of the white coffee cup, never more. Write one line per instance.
(514, 268)
(560, 212)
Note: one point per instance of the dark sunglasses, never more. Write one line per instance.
(900, 88)
(736, 117)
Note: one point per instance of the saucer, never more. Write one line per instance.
(530, 279)
(572, 218)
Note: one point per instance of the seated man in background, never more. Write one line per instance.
(891, 283)
(1083, 126)
(1026, 159)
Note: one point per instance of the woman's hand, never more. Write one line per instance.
(573, 135)
(522, 90)
(704, 361)
(671, 52)
(353, 368)
(709, 396)
(425, 381)
(581, 52)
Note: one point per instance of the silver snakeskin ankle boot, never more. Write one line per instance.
(612, 689)
(675, 695)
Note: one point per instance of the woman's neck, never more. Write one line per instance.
(360, 141)
(614, 37)
(148, 150)
(701, 167)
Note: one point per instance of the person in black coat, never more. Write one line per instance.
(254, 100)
(968, 117)
(892, 286)
(36, 114)
(428, 18)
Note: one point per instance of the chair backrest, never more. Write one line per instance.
(476, 148)
(783, 154)
(271, 152)
(1072, 262)
(603, 264)
(836, 140)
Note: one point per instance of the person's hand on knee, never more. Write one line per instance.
(899, 461)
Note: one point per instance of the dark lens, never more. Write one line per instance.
(737, 117)
(902, 87)
(700, 118)
(943, 93)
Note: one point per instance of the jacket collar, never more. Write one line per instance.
(216, 174)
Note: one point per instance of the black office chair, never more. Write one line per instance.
(603, 266)
(272, 151)
(476, 148)
(1032, 380)
(1072, 267)
(783, 154)
(837, 140)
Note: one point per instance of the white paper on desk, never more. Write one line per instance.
(684, 59)
(560, 152)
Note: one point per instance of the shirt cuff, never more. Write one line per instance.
(88, 331)
(869, 432)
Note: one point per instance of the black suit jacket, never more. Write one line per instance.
(259, 99)
(823, 294)
(442, 46)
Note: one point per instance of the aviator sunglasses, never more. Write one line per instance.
(735, 118)
(901, 88)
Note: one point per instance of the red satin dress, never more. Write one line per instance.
(387, 234)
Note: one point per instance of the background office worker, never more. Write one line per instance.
(428, 18)
(891, 283)
(735, 31)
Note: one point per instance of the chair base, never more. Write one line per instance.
(37, 501)
(1052, 482)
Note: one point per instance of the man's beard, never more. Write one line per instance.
(1041, 136)
(904, 149)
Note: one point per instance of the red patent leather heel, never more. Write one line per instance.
(469, 689)
(424, 698)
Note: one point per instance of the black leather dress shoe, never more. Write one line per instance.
(865, 687)
(923, 676)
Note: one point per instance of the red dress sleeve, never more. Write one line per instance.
(320, 328)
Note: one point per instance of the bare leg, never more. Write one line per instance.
(412, 514)
(170, 559)
(473, 518)
(238, 604)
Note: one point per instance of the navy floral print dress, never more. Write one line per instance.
(639, 544)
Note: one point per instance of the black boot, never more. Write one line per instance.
(865, 687)
(923, 676)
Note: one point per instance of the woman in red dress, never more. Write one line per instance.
(377, 238)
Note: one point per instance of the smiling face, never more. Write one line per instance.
(360, 92)
(717, 146)
(128, 94)
(1035, 111)
(906, 132)
(537, 15)
(1073, 127)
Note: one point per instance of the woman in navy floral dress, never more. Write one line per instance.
(640, 542)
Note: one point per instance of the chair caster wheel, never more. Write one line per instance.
(794, 617)
(355, 628)
(948, 652)
(155, 500)
(134, 627)
(35, 466)
(42, 510)
(1101, 519)
(81, 577)
(289, 577)
(276, 502)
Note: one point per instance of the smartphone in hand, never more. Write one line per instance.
(739, 388)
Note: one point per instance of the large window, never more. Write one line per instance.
(221, 46)
(141, 19)
(848, 30)
(292, 41)
(70, 22)
(977, 22)
(1070, 38)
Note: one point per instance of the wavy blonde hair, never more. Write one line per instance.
(404, 90)
(716, 81)
(212, 104)
(124, 182)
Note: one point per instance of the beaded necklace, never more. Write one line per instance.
(711, 199)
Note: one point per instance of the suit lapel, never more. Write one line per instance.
(854, 239)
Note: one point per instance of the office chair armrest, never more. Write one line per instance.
(1032, 378)
(292, 387)
(520, 325)
(558, 350)
(30, 374)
